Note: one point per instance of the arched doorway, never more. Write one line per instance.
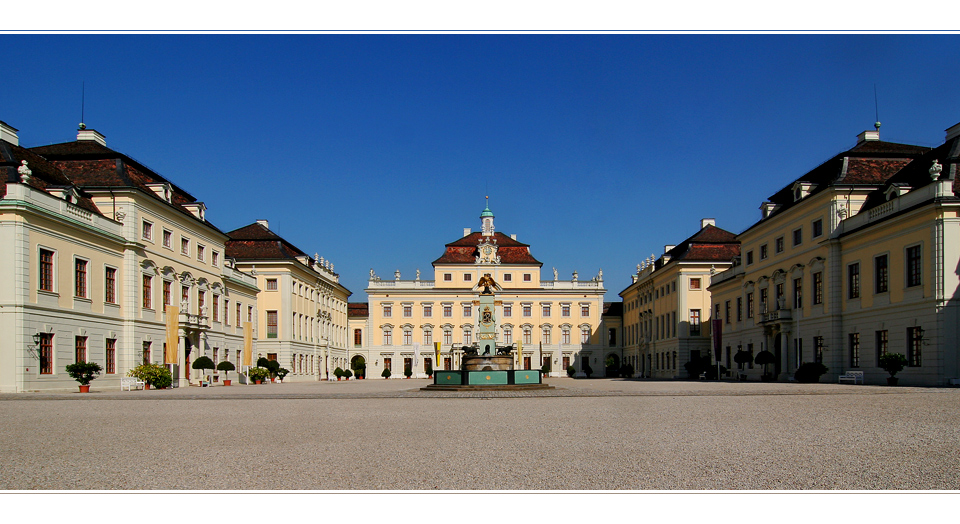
(359, 366)
(612, 365)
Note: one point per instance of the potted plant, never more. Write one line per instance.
(545, 368)
(84, 372)
(429, 370)
(385, 373)
(258, 375)
(571, 371)
(892, 363)
(274, 368)
(282, 372)
(226, 366)
(162, 378)
(809, 372)
(338, 373)
(141, 373)
(153, 375)
(263, 362)
(587, 370)
(763, 358)
(347, 374)
(407, 371)
(203, 362)
(742, 358)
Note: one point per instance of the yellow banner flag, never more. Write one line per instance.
(436, 348)
(519, 352)
(173, 340)
(247, 343)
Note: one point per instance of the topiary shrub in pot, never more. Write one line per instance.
(84, 373)
(429, 370)
(407, 372)
(347, 374)
(587, 370)
(263, 362)
(202, 363)
(763, 358)
(226, 366)
(153, 375)
(162, 377)
(742, 358)
(571, 371)
(338, 373)
(809, 372)
(545, 368)
(385, 373)
(893, 363)
(282, 372)
(274, 368)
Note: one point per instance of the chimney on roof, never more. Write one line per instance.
(264, 223)
(704, 222)
(513, 236)
(952, 132)
(466, 231)
(868, 136)
(8, 133)
(91, 134)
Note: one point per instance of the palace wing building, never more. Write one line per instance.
(854, 259)
(556, 322)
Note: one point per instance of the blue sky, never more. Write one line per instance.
(376, 150)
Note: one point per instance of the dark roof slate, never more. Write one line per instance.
(256, 242)
(46, 175)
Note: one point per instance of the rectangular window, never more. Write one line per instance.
(880, 274)
(611, 337)
(147, 231)
(215, 308)
(763, 252)
(854, 350)
(914, 266)
(215, 258)
(565, 310)
(147, 292)
(272, 324)
(407, 311)
(166, 292)
(467, 277)
(427, 337)
(507, 310)
(407, 337)
(778, 245)
(726, 312)
(694, 284)
(853, 281)
(111, 357)
(238, 314)
(447, 337)
(167, 238)
(695, 322)
(546, 336)
(779, 295)
(447, 310)
(763, 300)
(739, 309)
(80, 349)
(201, 301)
(185, 246)
(527, 336)
(749, 257)
(818, 350)
(110, 285)
(914, 345)
(546, 310)
(881, 338)
(387, 311)
(797, 236)
(817, 228)
(818, 287)
(447, 277)
(797, 293)
(526, 277)
(387, 337)
(749, 305)
(226, 312)
(46, 353)
(80, 272)
(507, 336)
(46, 270)
(358, 337)
(200, 250)
(427, 311)
(507, 277)
(585, 310)
(146, 352)
(184, 297)
(271, 284)
(467, 311)
(527, 310)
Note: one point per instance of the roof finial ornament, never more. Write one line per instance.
(24, 171)
(876, 107)
(935, 170)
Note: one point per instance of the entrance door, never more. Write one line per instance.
(566, 363)
(188, 346)
(447, 363)
(526, 362)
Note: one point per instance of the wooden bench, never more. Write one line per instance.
(130, 383)
(852, 376)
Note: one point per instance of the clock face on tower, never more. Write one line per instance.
(488, 254)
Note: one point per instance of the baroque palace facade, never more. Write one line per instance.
(856, 258)
(555, 322)
(107, 261)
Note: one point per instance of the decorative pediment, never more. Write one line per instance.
(817, 263)
(801, 189)
(896, 191)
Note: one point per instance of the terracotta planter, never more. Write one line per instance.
(892, 381)
(226, 382)
(272, 379)
(259, 381)
(146, 387)
(338, 379)
(85, 389)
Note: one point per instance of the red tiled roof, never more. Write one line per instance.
(256, 242)
(464, 250)
(358, 309)
(710, 244)
(46, 175)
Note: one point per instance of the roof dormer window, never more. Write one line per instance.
(164, 191)
(767, 208)
(896, 191)
(801, 189)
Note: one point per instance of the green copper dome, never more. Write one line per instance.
(486, 212)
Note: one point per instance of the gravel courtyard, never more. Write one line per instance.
(603, 434)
